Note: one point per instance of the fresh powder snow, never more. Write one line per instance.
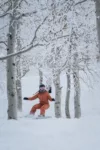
(50, 134)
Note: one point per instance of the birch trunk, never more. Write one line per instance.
(18, 81)
(11, 75)
(48, 84)
(57, 97)
(19, 94)
(67, 113)
(76, 88)
(97, 6)
(40, 77)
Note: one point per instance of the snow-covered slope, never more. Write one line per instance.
(51, 134)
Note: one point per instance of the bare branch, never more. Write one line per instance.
(3, 42)
(4, 26)
(26, 14)
(30, 46)
(6, 12)
(4, 4)
(26, 2)
(80, 2)
(20, 52)
(35, 34)
(20, 2)
(60, 37)
(25, 72)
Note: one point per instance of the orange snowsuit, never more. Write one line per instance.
(43, 102)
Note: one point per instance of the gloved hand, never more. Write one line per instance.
(25, 98)
(50, 90)
(53, 99)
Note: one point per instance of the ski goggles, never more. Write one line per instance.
(42, 88)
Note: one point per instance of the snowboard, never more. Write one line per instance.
(46, 117)
(35, 117)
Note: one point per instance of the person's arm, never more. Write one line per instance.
(31, 98)
(50, 98)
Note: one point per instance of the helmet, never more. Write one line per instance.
(41, 85)
(42, 88)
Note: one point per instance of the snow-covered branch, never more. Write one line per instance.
(3, 42)
(29, 47)
(35, 34)
(6, 12)
(80, 2)
(4, 27)
(26, 14)
(20, 52)
(5, 3)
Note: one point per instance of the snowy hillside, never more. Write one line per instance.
(52, 133)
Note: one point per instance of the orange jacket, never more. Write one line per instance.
(43, 97)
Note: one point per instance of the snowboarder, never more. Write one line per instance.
(44, 98)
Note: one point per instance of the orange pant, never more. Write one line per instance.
(42, 108)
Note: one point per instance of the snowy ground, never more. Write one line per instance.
(52, 134)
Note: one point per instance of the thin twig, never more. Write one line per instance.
(35, 34)
(3, 42)
(80, 2)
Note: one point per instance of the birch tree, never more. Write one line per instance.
(11, 72)
(40, 77)
(55, 39)
(80, 56)
(68, 77)
(57, 96)
(68, 90)
(79, 35)
(77, 107)
(97, 6)
(18, 70)
(57, 27)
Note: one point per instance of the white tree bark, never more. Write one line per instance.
(49, 84)
(18, 80)
(67, 112)
(97, 5)
(76, 87)
(57, 97)
(19, 94)
(11, 75)
(40, 77)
